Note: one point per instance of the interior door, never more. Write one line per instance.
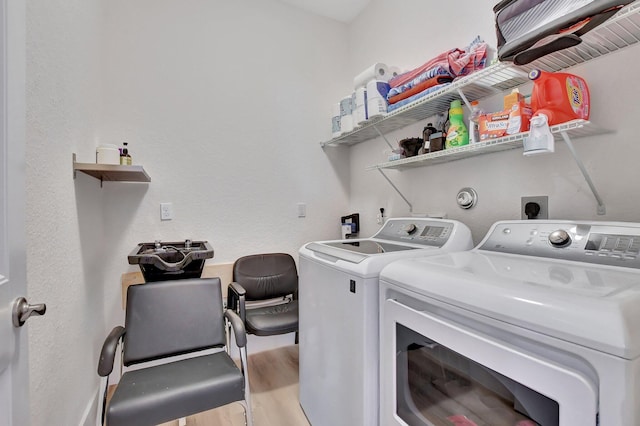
(14, 387)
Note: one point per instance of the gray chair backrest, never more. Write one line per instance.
(172, 318)
(266, 276)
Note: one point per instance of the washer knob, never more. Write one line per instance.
(409, 228)
(560, 238)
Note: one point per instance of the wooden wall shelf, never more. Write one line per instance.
(111, 172)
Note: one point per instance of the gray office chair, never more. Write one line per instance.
(260, 277)
(165, 319)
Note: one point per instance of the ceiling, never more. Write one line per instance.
(340, 10)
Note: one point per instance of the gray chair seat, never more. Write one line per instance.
(177, 389)
(271, 320)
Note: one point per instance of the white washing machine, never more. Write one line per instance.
(338, 299)
(538, 325)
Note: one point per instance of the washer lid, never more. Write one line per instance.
(399, 235)
(356, 251)
(590, 305)
(369, 246)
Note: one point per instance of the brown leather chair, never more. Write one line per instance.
(269, 277)
(169, 318)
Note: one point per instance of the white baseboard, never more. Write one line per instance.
(90, 414)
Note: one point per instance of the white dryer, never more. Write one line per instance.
(338, 300)
(538, 325)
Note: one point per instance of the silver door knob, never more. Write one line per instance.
(22, 311)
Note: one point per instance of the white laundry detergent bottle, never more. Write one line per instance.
(540, 139)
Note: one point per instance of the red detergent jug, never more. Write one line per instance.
(561, 97)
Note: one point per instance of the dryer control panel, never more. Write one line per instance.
(605, 243)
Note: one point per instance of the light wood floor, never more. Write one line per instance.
(273, 378)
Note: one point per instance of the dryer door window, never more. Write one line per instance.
(438, 372)
(444, 387)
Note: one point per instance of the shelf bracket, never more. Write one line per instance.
(383, 137)
(397, 190)
(601, 207)
(464, 98)
(73, 166)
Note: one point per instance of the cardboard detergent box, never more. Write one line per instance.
(508, 122)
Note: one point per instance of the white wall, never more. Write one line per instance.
(64, 217)
(425, 29)
(221, 102)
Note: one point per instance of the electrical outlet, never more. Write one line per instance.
(542, 201)
(380, 216)
(166, 211)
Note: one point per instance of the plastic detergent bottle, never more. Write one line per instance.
(474, 126)
(457, 135)
(561, 97)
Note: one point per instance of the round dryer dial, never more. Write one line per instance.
(409, 228)
(560, 238)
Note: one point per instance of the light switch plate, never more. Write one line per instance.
(302, 210)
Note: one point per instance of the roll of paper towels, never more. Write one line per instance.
(360, 111)
(360, 115)
(394, 72)
(361, 96)
(346, 106)
(377, 71)
(353, 110)
(377, 91)
(346, 123)
(335, 120)
(346, 114)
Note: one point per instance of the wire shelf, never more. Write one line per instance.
(619, 32)
(488, 81)
(575, 129)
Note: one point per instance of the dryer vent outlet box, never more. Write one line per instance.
(534, 207)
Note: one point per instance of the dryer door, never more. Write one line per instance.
(435, 371)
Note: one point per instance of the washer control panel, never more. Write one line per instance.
(607, 243)
(429, 232)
